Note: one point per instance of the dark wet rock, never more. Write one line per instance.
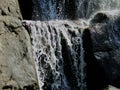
(99, 18)
(106, 44)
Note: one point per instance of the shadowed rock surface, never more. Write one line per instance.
(106, 44)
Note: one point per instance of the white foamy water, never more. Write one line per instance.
(51, 41)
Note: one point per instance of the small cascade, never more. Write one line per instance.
(59, 54)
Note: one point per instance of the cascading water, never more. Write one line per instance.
(58, 52)
(85, 8)
(69, 9)
(58, 45)
(51, 9)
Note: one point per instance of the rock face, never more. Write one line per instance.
(9, 8)
(17, 70)
(105, 35)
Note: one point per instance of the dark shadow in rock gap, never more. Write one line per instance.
(10, 87)
(36, 14)
(26, 7)
(31, 87)
(70, 9)
(96, 78)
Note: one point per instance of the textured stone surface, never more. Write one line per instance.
(17, 70)
(105, 36)
(10, 8)
(16, 62)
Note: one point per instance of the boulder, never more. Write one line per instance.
(105, 37)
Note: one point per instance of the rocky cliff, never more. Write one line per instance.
(17, 70)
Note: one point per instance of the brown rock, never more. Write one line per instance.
(10, 8)
(17, 69)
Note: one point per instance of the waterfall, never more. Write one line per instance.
(59, 54)
(58, 42)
